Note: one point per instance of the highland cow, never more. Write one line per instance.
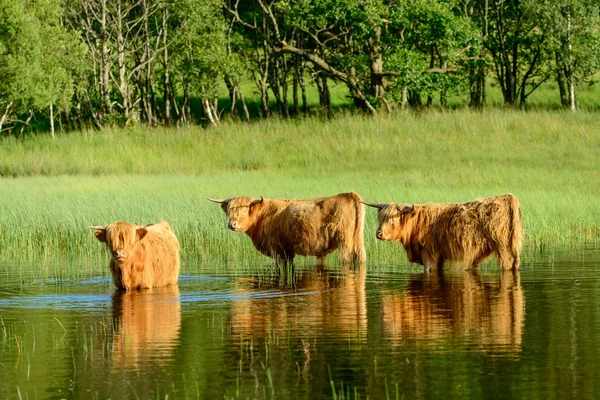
(283, 228)
(142, 256)
(465, 233)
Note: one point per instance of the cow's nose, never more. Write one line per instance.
(119, 254)
(379, 235)
(233, 225)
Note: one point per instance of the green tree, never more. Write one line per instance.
(574, 39)
(33, 70)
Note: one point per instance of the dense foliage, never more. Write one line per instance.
(106, 62)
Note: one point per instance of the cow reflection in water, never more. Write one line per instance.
(320, 303)
(488, 308)
(147, 326)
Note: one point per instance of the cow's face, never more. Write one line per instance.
(392, 218)
(240, 211)
(120, 239)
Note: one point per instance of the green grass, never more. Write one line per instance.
(52, 189)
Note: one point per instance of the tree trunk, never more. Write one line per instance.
(27, 121)
(414, 98)
(166, 82)
(105, 61)
(51, 121)
(404, 97)
(245, 108)
(295, 86)
(560, 80)
(284, 86)
(6, 114)
(571, 85)
(324, 95)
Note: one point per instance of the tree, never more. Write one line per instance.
(574, 39)
(33, 71)
(517, 42)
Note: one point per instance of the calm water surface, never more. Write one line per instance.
(388, 333)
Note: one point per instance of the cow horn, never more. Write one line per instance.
(223, 201)
(258, 201)
(96, 227)
(379, 206)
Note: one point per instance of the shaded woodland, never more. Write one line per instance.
(96, 63)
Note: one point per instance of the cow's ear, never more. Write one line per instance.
(99, 232)
(408, 209)
(140, 232)
(256, 202)
(100, 235)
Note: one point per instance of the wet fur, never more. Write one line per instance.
(153, 254)
(462, 232)
(281, 229)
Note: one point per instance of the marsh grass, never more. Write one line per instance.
(53, 189)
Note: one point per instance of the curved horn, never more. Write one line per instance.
(379, 206)
(258, 201)
(222, 201)
(96, 227)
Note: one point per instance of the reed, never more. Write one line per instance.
(52, 189)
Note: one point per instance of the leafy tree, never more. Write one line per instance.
(33, 70)
(574, 39)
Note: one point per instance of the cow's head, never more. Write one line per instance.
(240, 211)
(120, 238)
(392, 219)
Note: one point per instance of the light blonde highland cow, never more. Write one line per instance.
(142, 256)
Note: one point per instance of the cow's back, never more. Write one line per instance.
(473, 230)
(320, 225)
(159, 254)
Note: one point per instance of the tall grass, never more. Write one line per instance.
(52, 189)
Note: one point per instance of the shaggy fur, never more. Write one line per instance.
(462, 232)
(141, 256)
(283, 228)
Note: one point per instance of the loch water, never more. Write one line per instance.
(323, 333)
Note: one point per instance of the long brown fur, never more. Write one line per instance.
(462, 232)
(151, 254)
(281, 229)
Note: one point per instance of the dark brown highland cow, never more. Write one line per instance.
(461, 232)
(283, 228)
(142, 256)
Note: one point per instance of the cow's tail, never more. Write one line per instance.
(516, 239)
(360, 256)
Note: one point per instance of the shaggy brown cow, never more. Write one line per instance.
(461, 232)
(283, 228)
(141, 256)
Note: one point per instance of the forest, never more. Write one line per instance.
(79, 64)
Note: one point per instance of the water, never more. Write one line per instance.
(388, 333)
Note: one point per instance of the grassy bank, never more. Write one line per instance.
(51, 189)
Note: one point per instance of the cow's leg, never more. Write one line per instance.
(283, 259)
(430, 264)
(351, 254)
(440, 264)
(505, 258)
(359, 256)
